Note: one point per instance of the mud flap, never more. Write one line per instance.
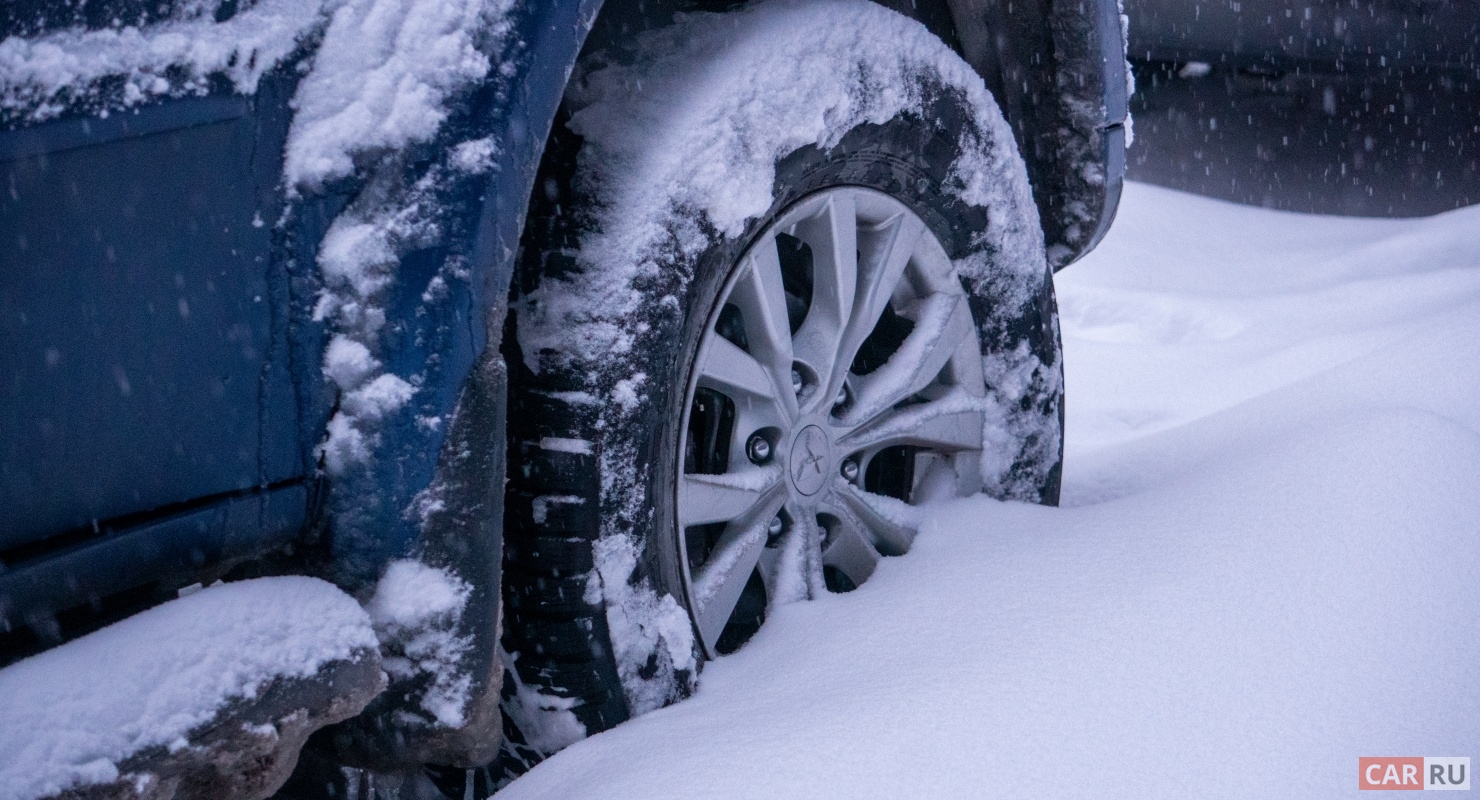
(462, 534)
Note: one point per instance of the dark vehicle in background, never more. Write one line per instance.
(1360, 108)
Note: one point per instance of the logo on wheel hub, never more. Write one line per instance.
(808, 463)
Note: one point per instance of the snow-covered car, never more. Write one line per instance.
(567, 336)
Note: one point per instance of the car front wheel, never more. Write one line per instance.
(768, 306)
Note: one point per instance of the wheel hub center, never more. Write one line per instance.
(811, 458)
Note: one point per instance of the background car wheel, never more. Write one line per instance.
(730, 417)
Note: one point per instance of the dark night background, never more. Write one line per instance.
(1383, 121)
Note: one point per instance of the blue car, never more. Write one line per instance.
(630, 320)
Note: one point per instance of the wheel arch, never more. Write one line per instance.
(1069, 119)
(435, 491)
(1058, 70)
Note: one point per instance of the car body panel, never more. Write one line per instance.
(436, 490)
(1057, 69)
(437, 343)
(142, 350)
(161, 552)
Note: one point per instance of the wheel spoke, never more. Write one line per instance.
(762, 301)
(883, 255)
(953, 423)
(877, 515)
(798, 570)
(944, 322)
(848, 551)
(719, 581)
(730, 370)
(703, 499)
(833, 236)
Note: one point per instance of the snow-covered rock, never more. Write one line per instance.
(219, 688)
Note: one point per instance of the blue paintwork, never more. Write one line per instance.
(142, 356)
(437, 344)
(157, 348)
(173, 549)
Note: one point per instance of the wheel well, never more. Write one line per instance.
(1021, 55)
(615, 25)
(621, 19)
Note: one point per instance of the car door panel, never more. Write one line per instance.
(141, 327)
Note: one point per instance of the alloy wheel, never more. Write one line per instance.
(836, 385)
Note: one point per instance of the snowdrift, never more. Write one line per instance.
(1268, 566)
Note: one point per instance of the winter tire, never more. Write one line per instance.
(722, 404)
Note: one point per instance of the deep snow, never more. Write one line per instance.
(1268, 566)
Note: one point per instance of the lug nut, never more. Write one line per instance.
(850, 470)
(758, 449)
(774, 529)
(844, 399)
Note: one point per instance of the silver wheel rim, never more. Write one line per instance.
(807, 489)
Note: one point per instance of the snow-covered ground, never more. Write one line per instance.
(1268, 562)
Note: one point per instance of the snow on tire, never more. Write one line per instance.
(785, 282)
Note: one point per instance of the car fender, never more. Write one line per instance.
(434, 490)
(1059, 72)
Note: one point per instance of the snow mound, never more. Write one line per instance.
(416, 610)
(1284, 572)
(382, 78)
(73, 712)
(41, 77)
(1237, 302)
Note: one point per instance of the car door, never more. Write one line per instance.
(143, 313)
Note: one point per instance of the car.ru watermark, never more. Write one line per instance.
(1413, 773)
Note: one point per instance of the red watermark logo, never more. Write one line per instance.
(1413, 773)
